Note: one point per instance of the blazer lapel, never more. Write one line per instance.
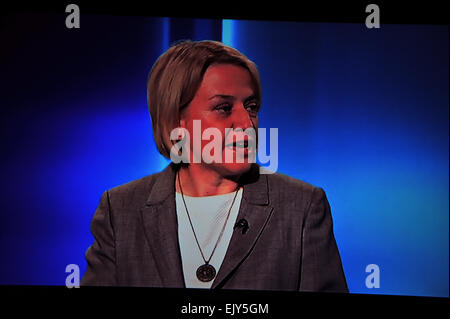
(161, 229)
(256, 209)
(161, 226)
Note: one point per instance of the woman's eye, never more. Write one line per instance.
(223, 108)
(252, 108)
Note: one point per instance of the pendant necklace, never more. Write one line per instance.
(205, 272)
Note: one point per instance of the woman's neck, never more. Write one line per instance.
(196, 181)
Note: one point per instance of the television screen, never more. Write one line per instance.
(358, 109)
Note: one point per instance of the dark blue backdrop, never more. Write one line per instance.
(362, 113)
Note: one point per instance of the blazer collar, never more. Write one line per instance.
(256, 190)
(161, 226)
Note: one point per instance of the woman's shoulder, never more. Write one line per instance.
(282, 181)
(284, 189)
(135, 190)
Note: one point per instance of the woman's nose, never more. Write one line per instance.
(242, 118)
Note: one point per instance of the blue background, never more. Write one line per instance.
(361, 113)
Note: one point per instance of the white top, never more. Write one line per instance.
(208, 215)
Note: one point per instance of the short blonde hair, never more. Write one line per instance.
(175, 78)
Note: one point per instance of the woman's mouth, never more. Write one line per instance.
(238, 144)
(243, 147)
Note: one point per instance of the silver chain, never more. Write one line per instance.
(190, 222)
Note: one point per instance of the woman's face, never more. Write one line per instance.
(225, 99)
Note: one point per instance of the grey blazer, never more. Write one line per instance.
(289, 243)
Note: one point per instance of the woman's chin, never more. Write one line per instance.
(233, 169)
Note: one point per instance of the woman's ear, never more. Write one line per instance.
(182, 118)
(181, 129)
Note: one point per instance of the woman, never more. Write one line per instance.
(209, 222)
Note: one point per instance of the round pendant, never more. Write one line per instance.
(206, 273)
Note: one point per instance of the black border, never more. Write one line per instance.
(150, 301)
(391, 12)
(168, 302)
